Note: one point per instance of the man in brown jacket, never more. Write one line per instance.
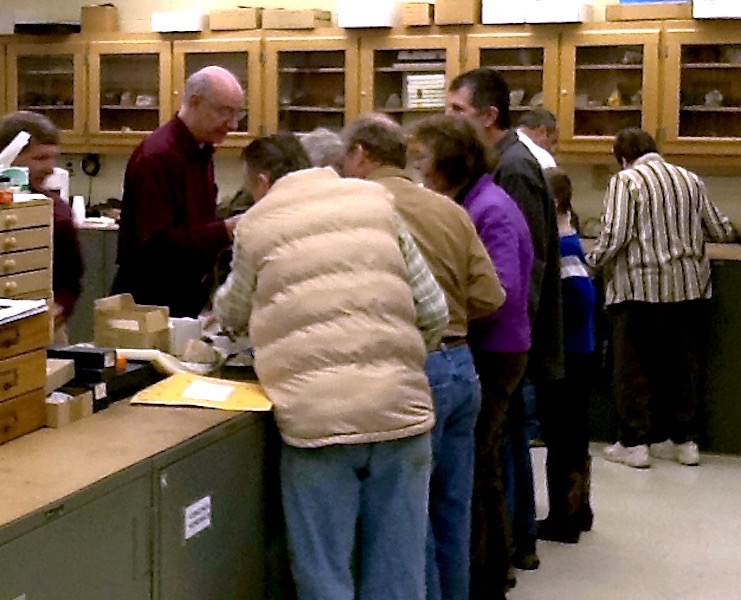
(376, 150)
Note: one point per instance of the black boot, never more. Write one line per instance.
(565, 501)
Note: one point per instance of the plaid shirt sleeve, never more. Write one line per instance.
(429, 299)
(233, 300)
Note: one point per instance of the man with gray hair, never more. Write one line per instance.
(169, 237)
(376, 150)
(324, 148)
(538, 130)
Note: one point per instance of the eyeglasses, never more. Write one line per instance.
(227, 113)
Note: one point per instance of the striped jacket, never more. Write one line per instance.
(651, 246)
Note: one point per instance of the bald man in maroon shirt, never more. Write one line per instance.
(170, 238)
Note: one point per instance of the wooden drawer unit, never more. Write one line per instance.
(23, 375)
(26, 249)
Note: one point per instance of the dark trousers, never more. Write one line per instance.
(656, 379)
(500, 375)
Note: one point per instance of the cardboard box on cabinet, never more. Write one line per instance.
(647, 12)
(716, 9)
(496, 12)
(282, 18)
(236, 19)
(182, 20)
(416, 14)
(457, 12)
(376, 13)
(98, 19)
(558, 11)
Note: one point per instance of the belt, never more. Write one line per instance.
(449, 342)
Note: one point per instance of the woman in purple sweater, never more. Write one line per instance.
(454, 160)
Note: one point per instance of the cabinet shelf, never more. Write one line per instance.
(312, 109)
(47, 73)
(117, 107)
(609, 67)
(711, 109)
(608, 109)
(320, 70)
(520, 68)
(412, 68)
(40, 107)
(711, 66)
(393, 111)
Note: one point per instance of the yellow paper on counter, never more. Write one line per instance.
(188, 389)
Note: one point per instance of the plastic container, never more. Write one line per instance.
(6, 194)
(78, 210)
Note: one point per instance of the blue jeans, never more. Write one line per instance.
(380, 488)
(457, 396)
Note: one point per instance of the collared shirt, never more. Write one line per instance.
(652, 245)
(233, 300)
(545, 159)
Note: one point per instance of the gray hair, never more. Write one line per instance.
(324, 147)
(380, 136)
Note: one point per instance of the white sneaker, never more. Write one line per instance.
(632, 456)
(666, 450)
(688, 454)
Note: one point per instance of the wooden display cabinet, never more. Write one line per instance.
(528, 60)
(310, 82)
(50, 79)
(241, 57)
(608, 82)
(129, 90)
(702, 97)
(406, 76)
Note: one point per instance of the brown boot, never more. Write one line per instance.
(564, 497)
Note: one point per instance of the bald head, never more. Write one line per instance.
(213, 104)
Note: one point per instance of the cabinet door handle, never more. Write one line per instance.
(10, 287)
(8, 379)
(10, 219)
(7, 422)
(10, 243)
(9, 264)
(10, 337)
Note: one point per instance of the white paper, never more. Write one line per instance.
(205, 390)
(197, 517)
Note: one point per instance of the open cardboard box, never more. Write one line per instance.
(121, 323)
(79, 406)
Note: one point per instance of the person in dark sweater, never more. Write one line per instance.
(565, 426)
(40, 156)
(482, 95)
(170, 237)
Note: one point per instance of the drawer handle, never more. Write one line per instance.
(11, 219)
(7, 422)
(9, 379)
(10, 337)
(10, 243)
(10, 287)
(9, 265)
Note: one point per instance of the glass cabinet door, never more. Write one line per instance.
(702, 112)
(527, 61)
(49, 79)
(310, 83)
(406, 77)
(240, 57)
(608, 83)
(130, 89)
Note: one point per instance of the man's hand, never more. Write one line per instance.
(231, 223)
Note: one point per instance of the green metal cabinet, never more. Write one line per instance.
(89, 547)
(209, 517)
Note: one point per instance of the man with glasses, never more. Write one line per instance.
(170, 237)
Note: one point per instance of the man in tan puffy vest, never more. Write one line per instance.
(376, 150)
(341, 308)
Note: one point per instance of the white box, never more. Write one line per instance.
(424, 91)
(182, 20)
(376, 13)
(716, 9)
(495, 12)
(558, 11)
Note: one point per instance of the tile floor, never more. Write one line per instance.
(665, 533)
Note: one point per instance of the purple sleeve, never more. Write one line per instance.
(68, 263)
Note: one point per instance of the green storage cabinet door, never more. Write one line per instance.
(209, 524)
(91, 550)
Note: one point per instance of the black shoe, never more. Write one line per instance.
(557, 531)
(526, 562)
(511, 580)
(586, 518)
